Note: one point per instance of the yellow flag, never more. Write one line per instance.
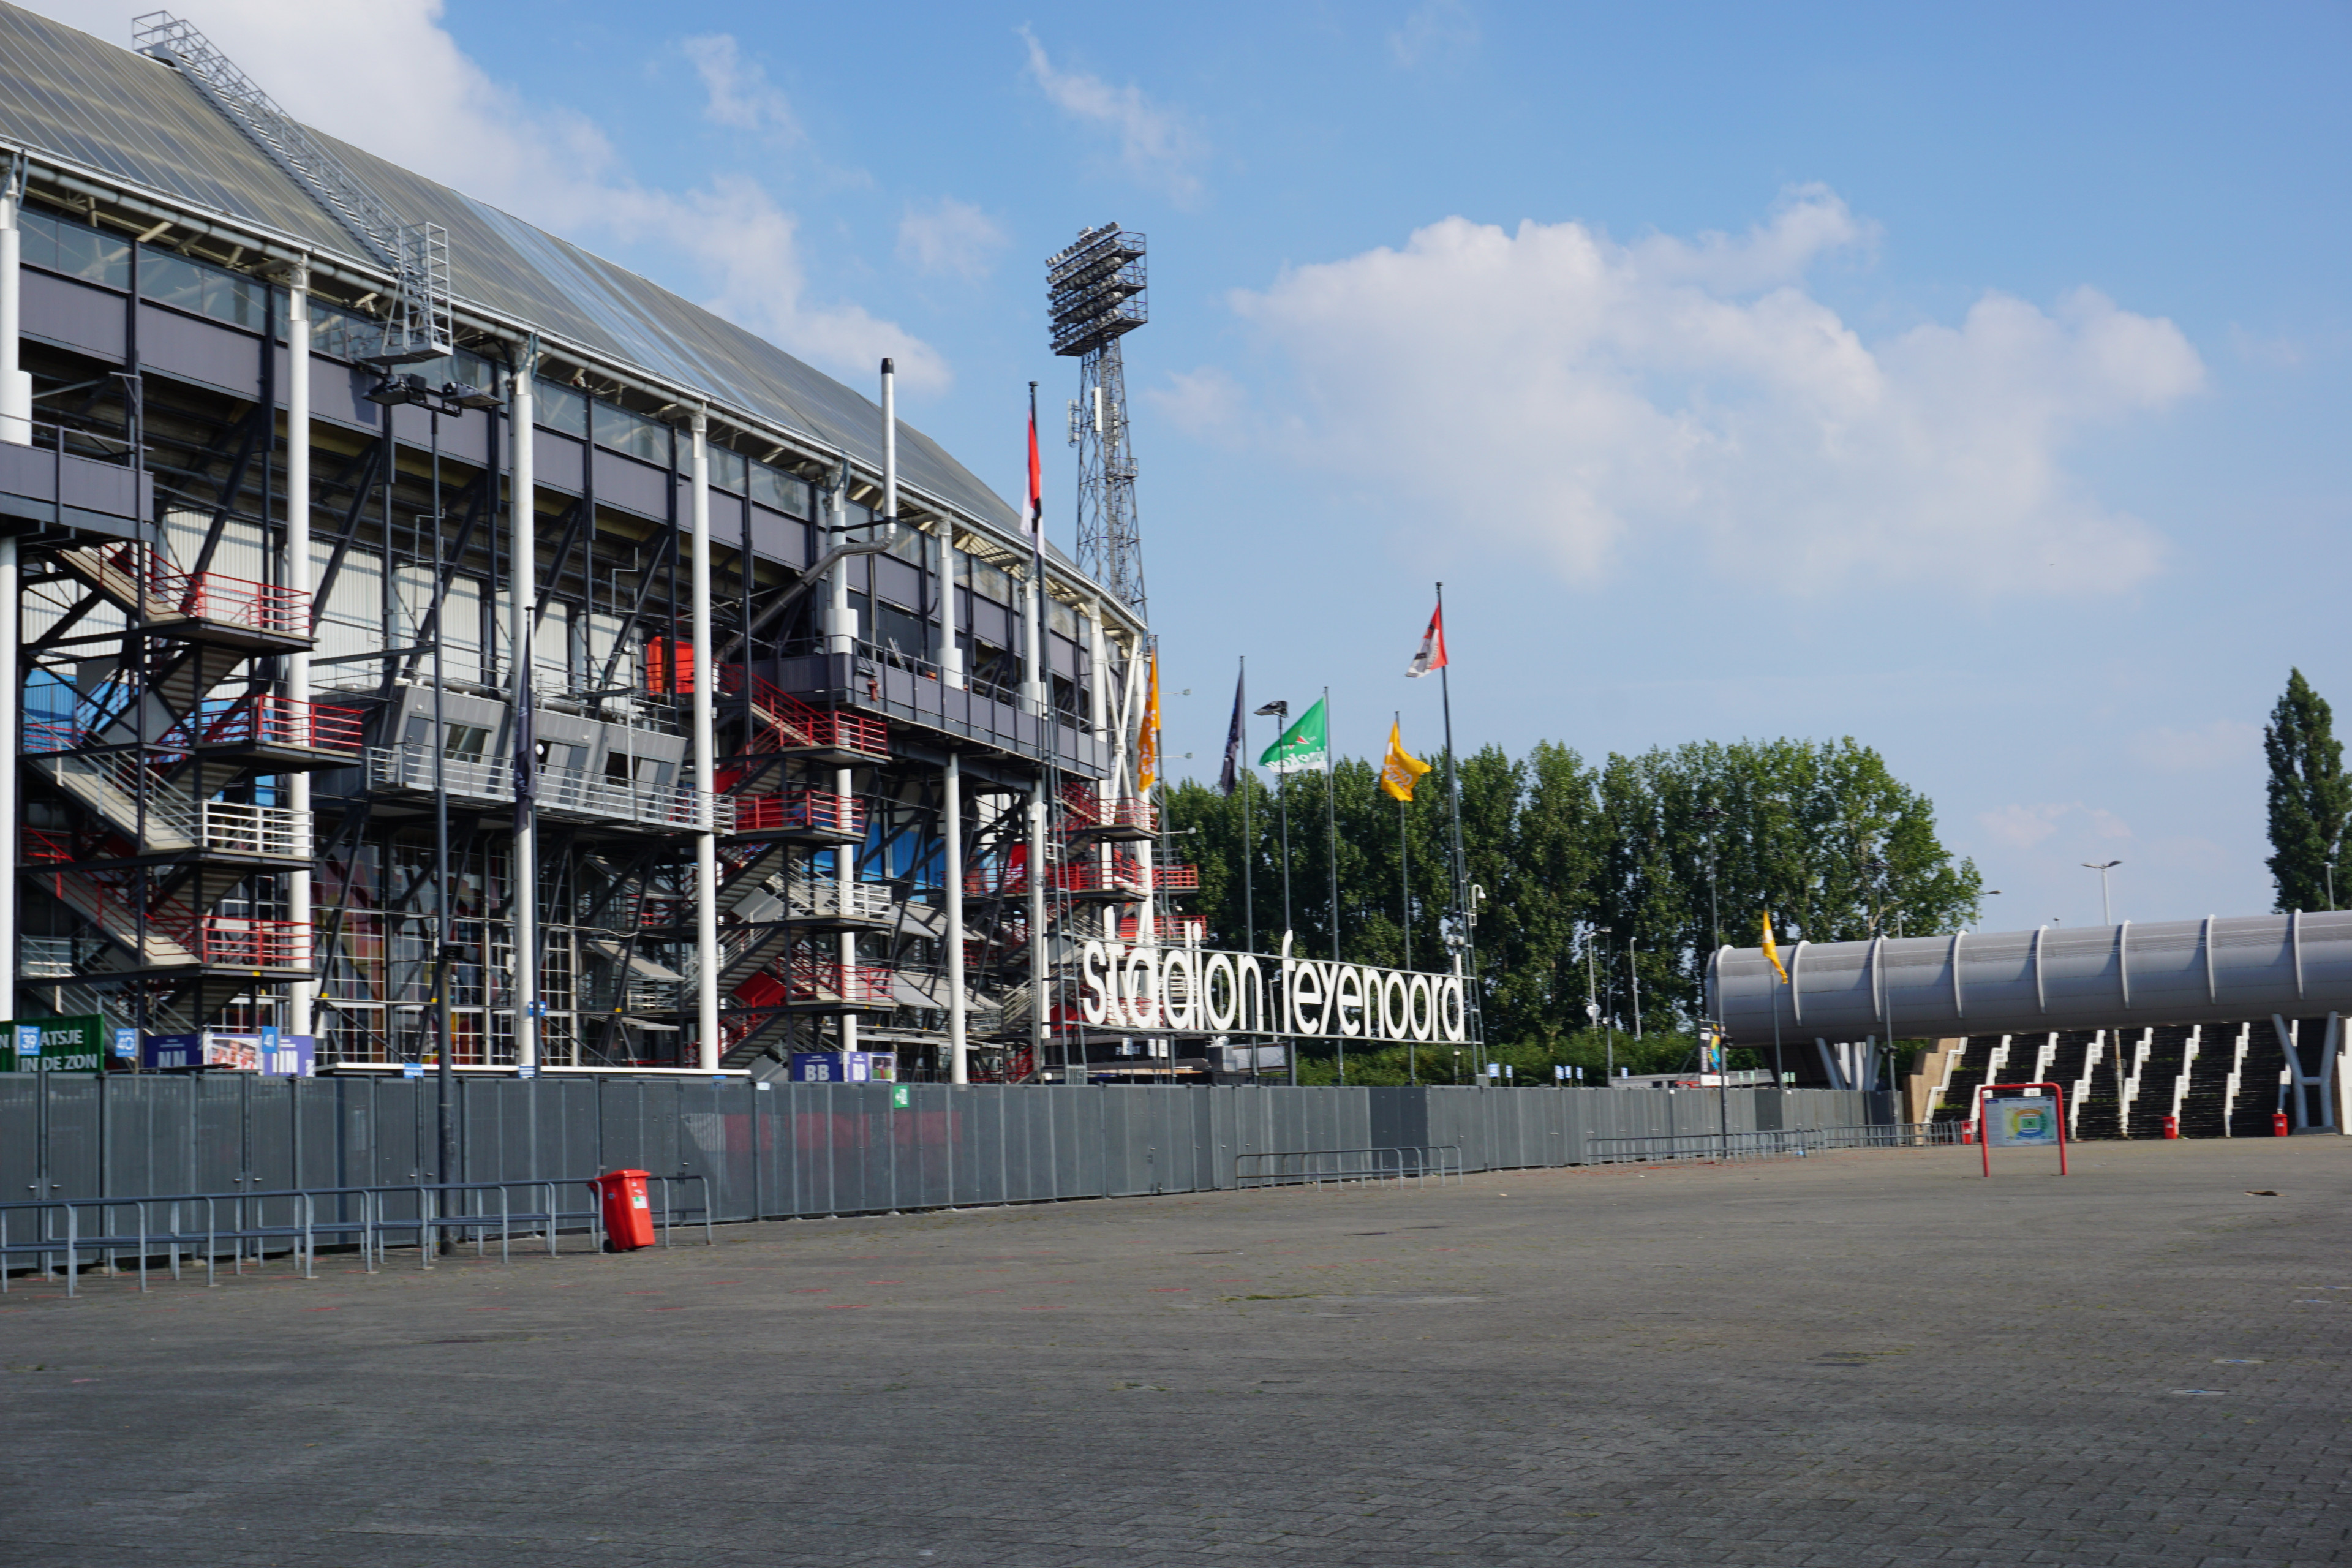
(1399, 770)
(1772, 950)
(1147, 745)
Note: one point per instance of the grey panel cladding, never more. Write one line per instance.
(632, 486)
(2167, 972)
(558, 462)
(73, 315)
(780, 538)
(188, 348)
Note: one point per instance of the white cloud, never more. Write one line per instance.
(2024, 826)
(741, 96)
(1158, 146)
(1436, 32)
(952, 237)
(2216, 744)
(1205, 402)
(548, 165)
(1574, 395)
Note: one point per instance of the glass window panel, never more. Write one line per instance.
(561, 408)
(1060, 618)
(727, 468)
(631, 433)
(786, 492)
(36, 243)
(229, 297)
(171, 280)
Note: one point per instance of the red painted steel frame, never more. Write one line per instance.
(1984, 1133)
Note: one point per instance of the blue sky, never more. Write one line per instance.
(1969, 381)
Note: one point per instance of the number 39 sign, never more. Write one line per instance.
(2033, 1120)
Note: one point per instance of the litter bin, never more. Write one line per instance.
(628, 1213)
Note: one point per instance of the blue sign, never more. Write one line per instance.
(28, 1039)
(126, 1043)
(525, 1070)
(412, 1070)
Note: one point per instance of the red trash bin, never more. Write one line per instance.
(628, 1211)
(2278, 1123)
(2172, 1127)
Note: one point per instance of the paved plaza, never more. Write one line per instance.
(1871, 1358)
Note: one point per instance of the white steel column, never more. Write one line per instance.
(302, 995)
(1038, 1019)
(1098, 666)
(1034, 685)
(950, 652)
(706, 843)
(959, 1057)
(522, 524)
(15, 427)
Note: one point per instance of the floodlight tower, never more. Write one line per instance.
(1094, 289)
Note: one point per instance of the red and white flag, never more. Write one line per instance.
(1433, 645)
(1036, 518)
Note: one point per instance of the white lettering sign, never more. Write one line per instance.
(1141, 986)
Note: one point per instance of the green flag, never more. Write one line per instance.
(1305, 747)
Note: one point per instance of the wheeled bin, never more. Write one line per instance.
(628, 1211)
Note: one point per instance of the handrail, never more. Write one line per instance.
(371, 1224)
(1772, 1142)
(1372, 1164)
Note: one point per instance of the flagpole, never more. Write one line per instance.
(1331, 823)
(1404, 911)
(1245, 777)
(1461, 878)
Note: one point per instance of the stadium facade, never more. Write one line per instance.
(424, 629)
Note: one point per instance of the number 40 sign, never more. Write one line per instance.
(2035, 1117)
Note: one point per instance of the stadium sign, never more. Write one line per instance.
(1125, 985)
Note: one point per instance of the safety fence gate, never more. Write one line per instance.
(751, 1150)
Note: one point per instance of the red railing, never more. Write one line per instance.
(262, 720)
(1176, 932)
(226, 940)
(785, 723)
(815, 809)
(829, 980)
(211, 596)
(1090, 810)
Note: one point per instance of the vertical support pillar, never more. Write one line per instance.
(1039, 1017)
(706, 842)
(302, 995)
(950, 651)
(1033, 685)
(959, 1051)
(16, 428)
(523, 526)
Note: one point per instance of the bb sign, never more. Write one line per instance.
(1123, 986)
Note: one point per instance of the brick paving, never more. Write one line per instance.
(1856, 1360)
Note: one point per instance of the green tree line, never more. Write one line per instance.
(1614, 880)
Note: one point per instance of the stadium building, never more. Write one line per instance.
(421, 629)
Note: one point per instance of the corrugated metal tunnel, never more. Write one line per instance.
(2162, 972)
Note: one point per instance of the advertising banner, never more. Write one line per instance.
(56, 1045)
(276, 1055)
(844, 1067)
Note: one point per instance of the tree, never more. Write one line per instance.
(1644, 862)
(2309, 798)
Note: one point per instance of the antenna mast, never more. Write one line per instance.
(1094, 289)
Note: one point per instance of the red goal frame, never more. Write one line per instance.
(1984, 1133)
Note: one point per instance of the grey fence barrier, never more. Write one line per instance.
(784, 1149)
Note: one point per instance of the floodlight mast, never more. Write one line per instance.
(1094, 290)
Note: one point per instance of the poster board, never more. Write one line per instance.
(2022, 1116)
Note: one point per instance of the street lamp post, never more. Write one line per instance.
(2106, 910)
